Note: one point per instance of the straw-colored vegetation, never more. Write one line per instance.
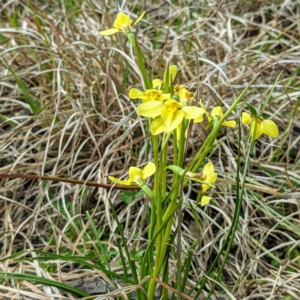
(65, 114)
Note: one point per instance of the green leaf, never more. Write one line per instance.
(49, 282)
(129, 196)
(177, 170)
(7, 120)
(26, 93)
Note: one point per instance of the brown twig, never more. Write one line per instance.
(73, 181)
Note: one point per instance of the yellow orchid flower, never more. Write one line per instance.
(171, 114)
(205, 200)
(218, 113)
(184, 95)
(259, 126)
(155, 93)
(199, 119)
(148, 95)
(157, 84)
(137, 176)
(210, 178)
(209, 175)
(122, 23)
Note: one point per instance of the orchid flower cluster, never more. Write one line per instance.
(171, 108)
(167, 112)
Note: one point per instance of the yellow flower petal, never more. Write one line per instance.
(178, 131)
(122, 21)
(229, 124)
(135, 174)
(118, 181)
(135, 94)
(212, 178)
(171, 119)
(153, 94)
(217, 112)
(199, 119)
(150, 109)
(210, 174)
(173, 105)
(256, 129)
(184, 95)
(164, 97)
(139, 18)
(109, 31)
(246, 118)
(208, 169)
(205, 200)
(157, 126)
(156, 83)
(259, 127)
(269, 128)
(149, 170)
(172, 73)
(148, 95)
(209, 118)
(202, 106)
(205, 187)
(193, 112)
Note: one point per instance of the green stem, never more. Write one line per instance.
(157, 192)
(141, 61)
(164, 163)
(158, 219)
(199, 157)
(178, 156)
(239, 197)
(230, 237)
(181, 146)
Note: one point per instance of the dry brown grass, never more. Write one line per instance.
(87, 128)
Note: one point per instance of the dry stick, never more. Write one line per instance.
(116, 187)
(74, 181)
(253, 187)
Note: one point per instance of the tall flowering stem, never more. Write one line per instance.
(141, 60)
(168, 107)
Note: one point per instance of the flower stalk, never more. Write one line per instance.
(170, 113)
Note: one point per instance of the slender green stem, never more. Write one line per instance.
(155, 210)
(199, 157)
(157, 192)
(239, 197)
(141, 61)
(178, 275)
(164, 163)
(158, 219)
(181, 146)
(178, 155)
(229, 240)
